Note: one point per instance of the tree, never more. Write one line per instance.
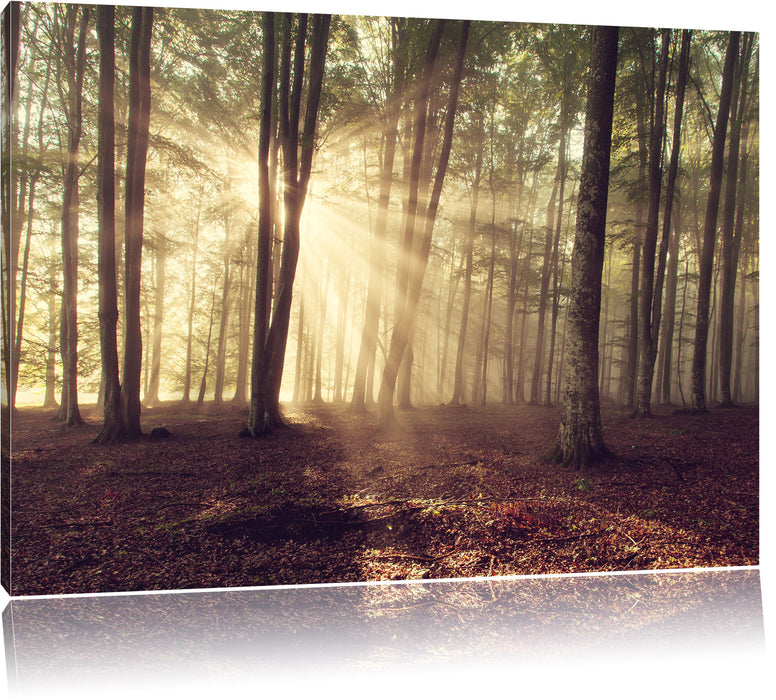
(11, 29)
(69, 411)
(134, 201)
(368, 345)
(268, 357)
(731, 234)
(650, 299)
(710, 228)
(580, 439)
(401, 331)
(113, 420)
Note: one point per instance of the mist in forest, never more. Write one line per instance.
(429, 186)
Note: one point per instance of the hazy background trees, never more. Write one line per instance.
(490, 319)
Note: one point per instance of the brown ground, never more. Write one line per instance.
(464, 492)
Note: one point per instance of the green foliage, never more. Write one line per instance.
(582, 484)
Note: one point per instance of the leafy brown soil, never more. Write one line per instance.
(461, 492)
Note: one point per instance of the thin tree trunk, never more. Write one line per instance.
(710, 229)
(459, 384)
(192, 306)
(203, 383)
(729, 229)
(647, 332)
(49, 400)
(680, 339)
(324, 296)
(483, 394)
(366, 353)
(244, 318)
(267, 368)
(69, 410)
(339, 350)
(152, 397)
(403, 326)
(740, 335)
(223, 325)
(113, 423)
(544, 284)
(669, 313)
(134, 201)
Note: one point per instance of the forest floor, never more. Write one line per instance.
(461, 492)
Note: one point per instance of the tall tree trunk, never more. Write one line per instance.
(680, 338)
(268, 360)
(554, 272)
(459, 385)
(740, 335)
(515, 248)
(50, 400)
(323, 297)
(730, 232)
(652, 284)
(152, 396)
(605, 324)
(113, 423)
(649, 243)
(69, 410)
(134, 202)
(192, 306)
(710, 229)
(298, 394)
(244, 318)
(339, 349)
(223, 324)
(580, 439)
(520, 381)
(11, 29)
(368, 345)
(203, 383)
(455, 277)
(261, 316)
(26, 186)
(403, 326)
(669, 312)
(642, 121)
(544, 285)
(483, 393)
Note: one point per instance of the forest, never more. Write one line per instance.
(296, 298)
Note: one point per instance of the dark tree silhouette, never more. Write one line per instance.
(113, 422)
(268, 359)
(134, 200)
(710, 229)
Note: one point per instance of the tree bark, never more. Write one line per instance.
(647, 274)
(113, 421)
(11, 28)
(268, 360)
(69, 410)
(730, 232)
(580, 439)
(459, 385)
(710, 229)
(134, 202)
(652, 294)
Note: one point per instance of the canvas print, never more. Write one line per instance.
(303, 298)
(447, 636)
